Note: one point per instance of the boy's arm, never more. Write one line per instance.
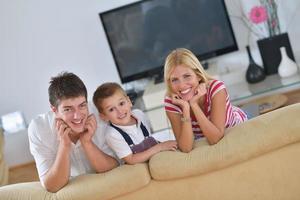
(100, 161)
(146, 155)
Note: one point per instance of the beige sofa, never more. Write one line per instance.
(259, 159)
(3, 166)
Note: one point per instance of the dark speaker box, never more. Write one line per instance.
(269, 49)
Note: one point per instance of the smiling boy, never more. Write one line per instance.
(129, 133)
(66, 142)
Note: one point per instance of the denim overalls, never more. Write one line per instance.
(147, 143)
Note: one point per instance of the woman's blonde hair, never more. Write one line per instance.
(182, 56)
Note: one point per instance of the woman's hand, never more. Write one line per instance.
(200, 92)
(184, 105)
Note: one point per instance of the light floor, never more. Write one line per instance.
(23, 173)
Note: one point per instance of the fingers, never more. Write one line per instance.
(175, 96)
(61, 126)
(63, 131)
(91, 123)
(170, 145)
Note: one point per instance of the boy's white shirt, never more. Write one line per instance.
(116, 141)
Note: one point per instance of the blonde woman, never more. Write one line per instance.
(196, 104)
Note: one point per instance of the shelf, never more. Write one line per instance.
(242, 91)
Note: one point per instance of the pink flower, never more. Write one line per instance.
(258, 14)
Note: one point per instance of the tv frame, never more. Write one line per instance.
(157, 71)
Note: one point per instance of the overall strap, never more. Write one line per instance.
(144, 130)
(124, 135)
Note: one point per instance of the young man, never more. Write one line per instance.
(66, 142)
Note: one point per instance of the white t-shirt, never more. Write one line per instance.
(116, 141)
(44, 145)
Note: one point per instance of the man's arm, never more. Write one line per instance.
(58, 175)
(53, 169)
(100, 161)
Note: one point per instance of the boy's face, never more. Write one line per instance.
(117, 109)
(74, 112)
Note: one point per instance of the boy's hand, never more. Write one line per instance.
(90, 129)
(168, 145)
(63, 131)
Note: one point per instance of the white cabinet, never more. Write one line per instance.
(158, 119)
(16, 148)
(153, 103)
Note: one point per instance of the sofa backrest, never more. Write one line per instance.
(250, 139)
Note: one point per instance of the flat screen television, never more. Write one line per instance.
(143, 33)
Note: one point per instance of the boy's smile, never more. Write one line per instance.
(117, 109)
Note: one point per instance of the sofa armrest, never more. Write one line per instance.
(25, 191)
(248, 140)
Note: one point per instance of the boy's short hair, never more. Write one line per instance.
(64, 86)
(104, 91)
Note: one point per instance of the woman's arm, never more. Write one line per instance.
(212, 129)
(146, 155)
(182, 130)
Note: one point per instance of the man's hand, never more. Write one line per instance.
(90, 129)
(200, 92)
(63, 131)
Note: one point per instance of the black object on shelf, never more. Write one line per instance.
(269, 49)
(255, 73)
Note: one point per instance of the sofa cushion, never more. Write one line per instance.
(117, 182)
(255, 137)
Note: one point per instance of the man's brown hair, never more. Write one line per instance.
(64, 86)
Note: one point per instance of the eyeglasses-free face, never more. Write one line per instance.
(184, 82)
(74, 112)
(117, 109)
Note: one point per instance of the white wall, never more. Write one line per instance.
(39, 39)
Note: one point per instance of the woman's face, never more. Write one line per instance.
(184, 82)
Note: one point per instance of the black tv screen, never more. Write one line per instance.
(142, 34)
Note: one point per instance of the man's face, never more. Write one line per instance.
(74, 112)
